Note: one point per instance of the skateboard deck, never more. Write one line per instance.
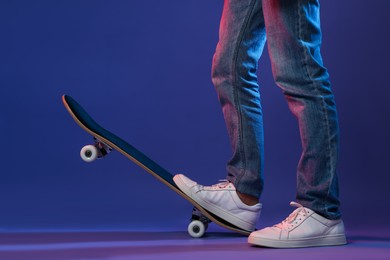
(106, 140)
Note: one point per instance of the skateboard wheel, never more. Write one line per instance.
(196, 229)
(89, 153)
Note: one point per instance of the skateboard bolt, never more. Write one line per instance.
(196, 229)
(88, 153)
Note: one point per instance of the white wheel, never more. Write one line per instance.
(196, 229)
(89, 153)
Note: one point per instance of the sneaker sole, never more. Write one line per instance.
(215, 210)
(336, 240)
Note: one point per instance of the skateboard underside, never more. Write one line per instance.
(105, 141)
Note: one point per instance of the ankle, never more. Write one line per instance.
(248, 199)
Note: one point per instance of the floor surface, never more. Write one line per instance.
(176, 245)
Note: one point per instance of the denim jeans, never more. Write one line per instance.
(292, 30)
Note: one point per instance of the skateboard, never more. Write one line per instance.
(105, 142)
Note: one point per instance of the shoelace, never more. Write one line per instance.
(220, 185)
(289, 221)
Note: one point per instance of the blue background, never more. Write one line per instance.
(142, 69)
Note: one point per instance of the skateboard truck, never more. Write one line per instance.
(198, 225)
(89, 153)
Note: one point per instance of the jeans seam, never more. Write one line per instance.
(324, 114)
(235, 92)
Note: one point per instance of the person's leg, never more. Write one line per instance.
(242, 39)
(294, 40)
(241, 42)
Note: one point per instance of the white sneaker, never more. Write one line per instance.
(303, 228)
(222, 200)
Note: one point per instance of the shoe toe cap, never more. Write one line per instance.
(180, 178)
(269, 232)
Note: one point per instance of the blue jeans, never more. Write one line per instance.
(292, 30)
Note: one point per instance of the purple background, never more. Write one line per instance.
(142, 69)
